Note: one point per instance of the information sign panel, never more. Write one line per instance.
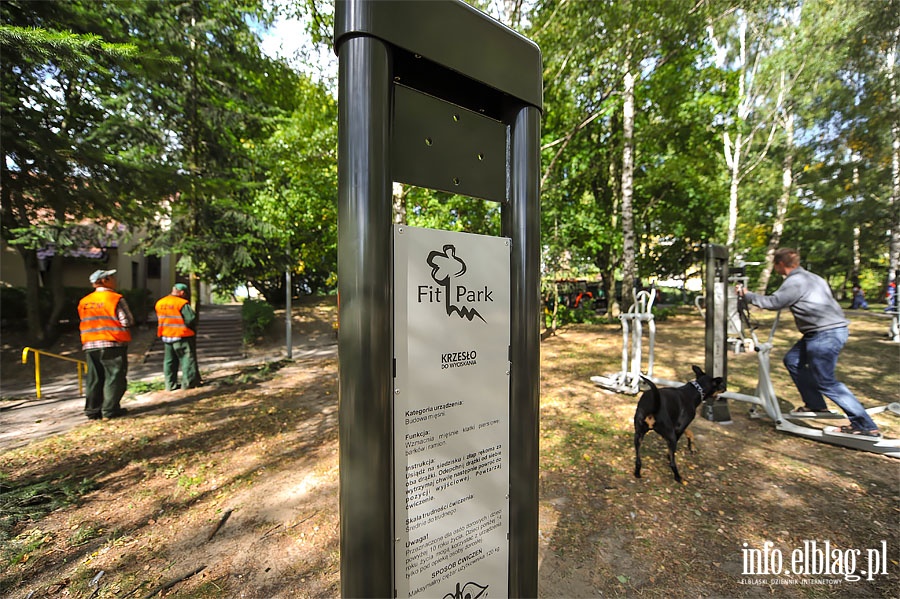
(451, 413)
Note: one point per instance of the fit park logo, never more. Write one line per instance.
(446, 270)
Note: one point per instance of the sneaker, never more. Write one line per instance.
(118, 413)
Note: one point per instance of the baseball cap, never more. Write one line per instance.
(180, 287)
(98, 275)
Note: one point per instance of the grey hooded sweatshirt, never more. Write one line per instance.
(809, 298)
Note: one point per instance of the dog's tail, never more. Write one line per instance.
(653, 407)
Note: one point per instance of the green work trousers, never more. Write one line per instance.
(181, 353)
(105, 381)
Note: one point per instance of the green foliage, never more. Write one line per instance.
(29, 502)
(678, 187)
(298, 197)
(23, 546)
(72, 147)
(661, 314)
(13, 303)
(432, 209)
(140, 387)
(142, 111)
(189, 482)
(673, 296)
(584, 313)
(71, 49)
(255, 374)
(140, 302)
(83, 535)
(257, 316)
(842, 154)
(222, 295)
(229, 101)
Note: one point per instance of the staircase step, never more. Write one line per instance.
(220, 336)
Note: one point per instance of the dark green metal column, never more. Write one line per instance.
(365, 335)
(521, 221)
(716, 410)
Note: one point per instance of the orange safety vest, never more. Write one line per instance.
(168, 315)
(99, 322)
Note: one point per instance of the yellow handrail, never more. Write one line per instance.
(79, 365)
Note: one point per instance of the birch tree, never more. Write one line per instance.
(743, 49)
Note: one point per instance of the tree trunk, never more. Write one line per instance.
(32, 297)
(735, 164)
(628, 265)
(781, 206)
(58, 292)
(398, 198)
(894, 198)
(194, 286)
(609, 288)
(606, 260)
(894, 205)
(194, 165)
(554, 322)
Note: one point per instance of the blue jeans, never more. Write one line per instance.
(811, 363)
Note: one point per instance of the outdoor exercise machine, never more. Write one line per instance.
(894, 329)
(723, 326)
(628, 380)
(764, 402)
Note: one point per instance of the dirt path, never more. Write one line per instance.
(25, 418)
(241, 479)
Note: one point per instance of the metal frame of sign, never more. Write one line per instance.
(439, 95)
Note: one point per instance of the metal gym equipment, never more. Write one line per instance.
(628, 380)
(719, 322)
(407, 71)
(737, 275)
(766, 399)
(717, 315)
(894, 328)
(717, 340)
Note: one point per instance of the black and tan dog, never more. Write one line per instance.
(669, 412)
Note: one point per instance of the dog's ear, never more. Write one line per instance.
(697, 371)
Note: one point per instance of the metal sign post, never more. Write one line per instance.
(438, 95)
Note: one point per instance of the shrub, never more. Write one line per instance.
(139, 301)
(663, 313)
(257, 315)
(14, 310)
(584, 313)
(12, 303)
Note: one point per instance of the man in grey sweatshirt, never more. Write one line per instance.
(814, 357)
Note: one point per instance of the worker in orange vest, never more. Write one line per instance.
(177, 323)
(105, 322)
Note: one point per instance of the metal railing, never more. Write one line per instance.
(80, 366)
